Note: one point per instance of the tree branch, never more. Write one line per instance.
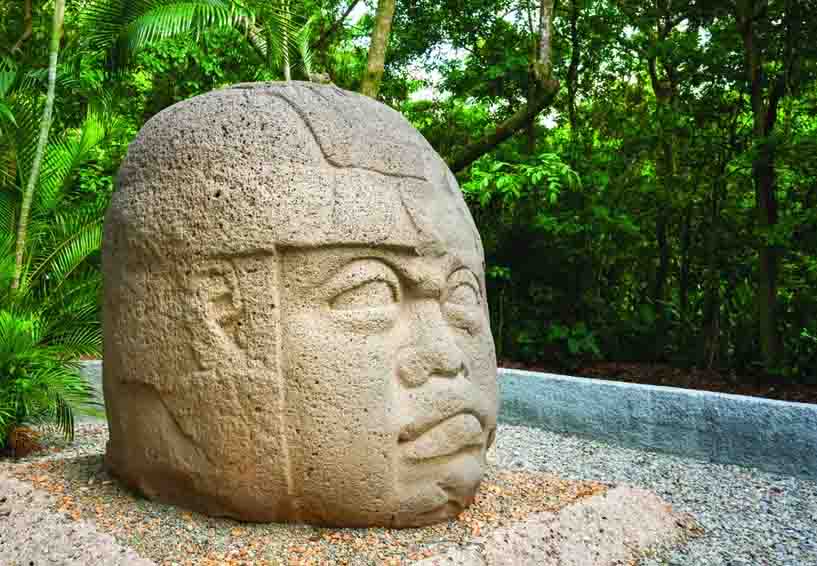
(27, 27)
(330, 31)
(543, 96)
(506, 129)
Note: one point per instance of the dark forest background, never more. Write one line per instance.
(643, 172)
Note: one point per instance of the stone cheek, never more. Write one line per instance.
(295, 317)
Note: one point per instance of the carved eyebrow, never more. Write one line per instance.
(427, 281)
(416, 274)
(464, 271)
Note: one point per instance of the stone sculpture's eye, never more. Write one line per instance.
(463, 288)
(371, 294)
(464, 294)
(462, 300)
(364, 284)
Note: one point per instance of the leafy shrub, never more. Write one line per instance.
(39, 380)
(50, 318)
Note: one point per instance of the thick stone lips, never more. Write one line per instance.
(443, 438)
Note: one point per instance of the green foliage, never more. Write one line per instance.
(128, 26)
(52, 319)
(578, 339)
(40, 381)
(543, 179)
(123, 27)
(801, 355)
(621, 224)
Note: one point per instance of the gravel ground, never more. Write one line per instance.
(74, 498)
(749, 518)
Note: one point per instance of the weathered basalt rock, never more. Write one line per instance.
(295, 318)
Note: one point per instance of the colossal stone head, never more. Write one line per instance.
(295, 318)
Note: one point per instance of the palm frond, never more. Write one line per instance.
(256, 37)
(62, 159)
(283, 37)
(64, 391)
(6, 115)
(69, 247)
(80, 341)
(35, 80)
(18, 336)
(74, 251)
(38, 382)
(71, 316)
(8, 76)
(304, 45)
(125, 26)
(27, 113)
(8, 212)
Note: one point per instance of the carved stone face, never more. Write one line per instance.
(296, 323)
(388, 357)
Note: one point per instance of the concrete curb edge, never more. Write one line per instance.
(774, 436)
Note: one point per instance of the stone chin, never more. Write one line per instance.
(296, 325)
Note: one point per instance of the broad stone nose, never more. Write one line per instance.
(432, 351)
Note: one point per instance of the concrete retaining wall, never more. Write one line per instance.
(92, 370)
(775, 436)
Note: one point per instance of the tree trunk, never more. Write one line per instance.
(712, 293)
(377, 49)
(45, 126)
(764, 113)
(573, 69)
(665, 168)
(533, 85)
(766, 202)
(683, 276)
(543, 57)
(662, 272)
(285, 41)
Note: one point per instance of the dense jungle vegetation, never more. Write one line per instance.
(643, 172)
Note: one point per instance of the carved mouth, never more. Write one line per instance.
(443, 438)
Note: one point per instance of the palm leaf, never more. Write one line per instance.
(63, 392)
(35, 80)
(62, 159)
(74, 251)
(27, 114)
(8, 212)
(125, 26)
(284, 36)
(304, 43)
(8, 76)
(38, 382)
(69, 248)
(6, 114)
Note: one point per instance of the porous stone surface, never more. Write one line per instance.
(604, 530)
(295, 318)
